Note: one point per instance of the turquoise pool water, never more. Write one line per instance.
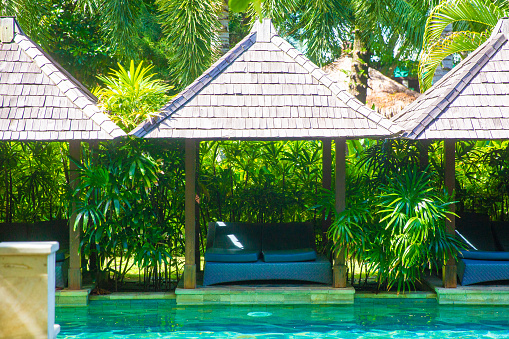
(367, 319)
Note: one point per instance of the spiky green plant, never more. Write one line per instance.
(131, 96)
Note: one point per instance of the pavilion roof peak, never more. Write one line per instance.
(264, 30)
(470, 101)
(39, 99)
(502, 27)
(264, 88)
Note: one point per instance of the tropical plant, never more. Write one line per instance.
(414, 237)
(32, 181)
(113, 205)
(472, 20)
(132, 96)
(399, 232)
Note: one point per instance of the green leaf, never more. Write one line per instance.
(239, 5)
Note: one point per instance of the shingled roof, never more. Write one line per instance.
(39, 100)
(471, 101)
(265, 89)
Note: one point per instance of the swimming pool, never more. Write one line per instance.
(365, 319)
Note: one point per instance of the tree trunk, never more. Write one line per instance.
(224, 34)
(359, 71)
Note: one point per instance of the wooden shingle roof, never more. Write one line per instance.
(471, 101)
(265, 89)
(41, 101)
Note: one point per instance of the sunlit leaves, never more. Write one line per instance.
(239, 5)
(132, 95)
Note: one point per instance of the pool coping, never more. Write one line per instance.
(489, 295)
(135, 296)
(295, 295)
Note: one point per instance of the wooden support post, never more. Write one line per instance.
(197, 212)
(449, 271)
(339, 266)
(190, 210)
(74, 282)
(326, 182)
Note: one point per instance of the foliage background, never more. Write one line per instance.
(135, 216)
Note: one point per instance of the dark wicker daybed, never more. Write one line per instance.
(485, 260)
(263, 252)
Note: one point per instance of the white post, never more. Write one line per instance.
(27, 290)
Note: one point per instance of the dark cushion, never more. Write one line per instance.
(233, 242)
(237, 236)
(231, 255)
(295, 255)
(476, 229)
(484, 255)
(288, 236)
(501, 232)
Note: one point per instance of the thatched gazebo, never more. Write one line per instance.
(40, 101)
(471, 102)
(387, 95)
(264, 89)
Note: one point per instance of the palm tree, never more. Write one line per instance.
(376, 26)
(472, 20)
(191, 28)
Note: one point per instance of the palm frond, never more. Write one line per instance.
(484, 12)
(456, 42)
(191, 27)
(119, 23)
(324, 23)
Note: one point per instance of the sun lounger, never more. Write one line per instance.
(282, 252)
(483, 261)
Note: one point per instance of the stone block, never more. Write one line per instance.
(27, 290)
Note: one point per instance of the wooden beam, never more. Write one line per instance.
(190, 210)
(197, 211)
(74, 276)
(326, 182)
(339, 266)
(449, 271)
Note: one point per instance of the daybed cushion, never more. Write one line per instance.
(231, 255)
(301, 254)
(484, 255)
(288, 242)
(476, 229)
(501, 232)
(233, 242)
